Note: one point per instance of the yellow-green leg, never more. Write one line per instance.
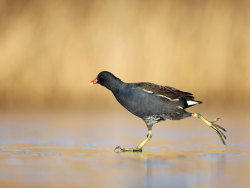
(214, 126)
(138, 148)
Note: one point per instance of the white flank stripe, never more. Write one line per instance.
(161, 95)
(174, 99)
(168, 98)
(191, 103)
(147, 91)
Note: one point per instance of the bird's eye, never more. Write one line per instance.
(101, 77)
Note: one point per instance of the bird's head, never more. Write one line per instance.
(106, 79)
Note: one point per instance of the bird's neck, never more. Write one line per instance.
(115, 85)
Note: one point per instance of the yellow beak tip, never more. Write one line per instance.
(91, 83)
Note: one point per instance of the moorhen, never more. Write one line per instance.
(152, 103)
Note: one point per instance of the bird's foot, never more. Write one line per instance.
(218, 129)
(119, 149)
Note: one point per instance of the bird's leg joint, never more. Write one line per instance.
(196, 115)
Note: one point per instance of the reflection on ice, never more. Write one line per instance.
(54, 153)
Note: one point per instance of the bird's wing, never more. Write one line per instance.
(169, 94)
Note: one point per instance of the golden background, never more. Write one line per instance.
(51, 50)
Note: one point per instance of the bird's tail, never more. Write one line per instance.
(190, 102)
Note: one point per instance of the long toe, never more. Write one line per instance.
(220, 127)
(118, 149)
(221, 135)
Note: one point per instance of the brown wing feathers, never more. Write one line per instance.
(170, 93)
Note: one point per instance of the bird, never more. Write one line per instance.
(153, 103)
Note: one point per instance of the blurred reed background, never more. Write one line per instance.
(51, 50)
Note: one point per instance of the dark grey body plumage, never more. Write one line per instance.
(150, 102)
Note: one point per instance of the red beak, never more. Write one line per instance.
(93, 81)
